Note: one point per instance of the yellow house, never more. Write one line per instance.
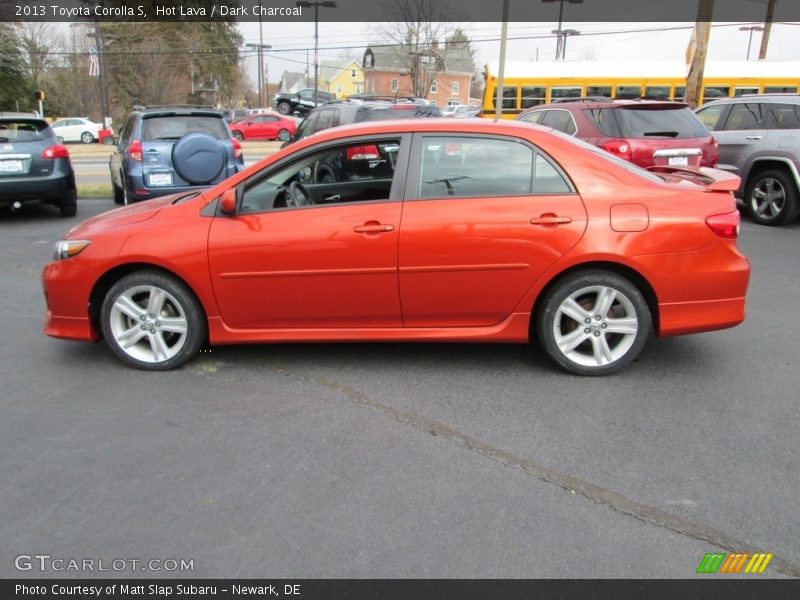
(343, 78)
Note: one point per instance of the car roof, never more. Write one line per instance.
(592, 102)
(782, 98)
(177, 109)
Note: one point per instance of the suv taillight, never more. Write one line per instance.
(619, 148)
(237, 148)
(725, 225)
(714, 158)
(369, 152)
(135, 150)
(55, 151)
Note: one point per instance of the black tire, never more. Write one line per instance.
(237, 135)
(771, 198)
(68, 208)
(282, 132)
(591, 347)
(179, 304)
(284, 108)
(87, 137)
(119, 195)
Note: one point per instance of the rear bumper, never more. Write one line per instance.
(55, 188)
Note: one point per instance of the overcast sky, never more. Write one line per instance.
(629, 42)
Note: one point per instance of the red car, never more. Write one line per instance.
(263, 127)
(645, 132)
(431, 230)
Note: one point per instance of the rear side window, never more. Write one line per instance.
(641, 122)
(786, 116)
(174, 127)
(24, 130)
(603, 118)
(560, 120)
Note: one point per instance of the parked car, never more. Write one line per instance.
(469, 230)
(166, 149)
(34, 165)
(301, 102)
(759, 140)
(263, 127)
(345, 112)
(77, 129)
(644, 132)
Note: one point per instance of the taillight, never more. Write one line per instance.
(619, 148)
(714, 158)
(237, 148)
(56, 151)
(135, 150)
(369, 152)
(725, 225)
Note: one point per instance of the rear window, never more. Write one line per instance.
(24, 130)
(174, 127)
(642, 122)
(403, 111)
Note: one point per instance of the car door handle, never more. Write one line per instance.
(332, 198)
(373, 227)
(550, 219)
(753, 137)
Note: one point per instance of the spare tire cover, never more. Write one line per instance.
(198, 158)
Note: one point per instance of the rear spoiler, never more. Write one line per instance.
(714, 180)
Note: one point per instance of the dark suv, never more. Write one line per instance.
(163, 150)
(759, 140)
(288, 103)
(345, 112)
(645, 132)
(34, 166)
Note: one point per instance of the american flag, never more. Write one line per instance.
(94, 63)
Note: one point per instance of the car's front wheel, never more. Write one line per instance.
(771, 198)
(593, 322)
(284, 108)
(152, 321)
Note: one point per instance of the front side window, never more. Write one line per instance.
(473, 167)
(747, 115)
(353, 172)
(533, 117)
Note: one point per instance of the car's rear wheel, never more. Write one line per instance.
(119, 195)
(772, 198)
(593, 322)
(68, 208)
(284, 108)
(283, 135)
(59, 139)
(87, 137)
(237, 135)
(152, 321)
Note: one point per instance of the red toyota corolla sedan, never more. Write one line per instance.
(433, 230)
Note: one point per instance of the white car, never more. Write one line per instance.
(77, 129)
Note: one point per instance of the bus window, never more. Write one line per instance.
(741, 91)
(532, 96)
(599, 90)
(557, 93)
(680, 92)
(715, 91)
(657, 91)
(628, 91)
(774, 89)
(509, 97)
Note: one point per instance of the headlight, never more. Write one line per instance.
(69, 248)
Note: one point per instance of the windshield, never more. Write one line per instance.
(24, 130)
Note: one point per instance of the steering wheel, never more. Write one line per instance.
(298, 195)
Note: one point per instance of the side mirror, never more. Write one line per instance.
(284, 136)
(227, 202)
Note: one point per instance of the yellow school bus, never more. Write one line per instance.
(528, 84)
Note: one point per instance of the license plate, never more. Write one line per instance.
(11, 166)
(678, 161)
(160, 179)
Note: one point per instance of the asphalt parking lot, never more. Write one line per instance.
(399, 460)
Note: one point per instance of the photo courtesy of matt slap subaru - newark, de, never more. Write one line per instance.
(417, 230)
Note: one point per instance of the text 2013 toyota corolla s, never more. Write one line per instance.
(434, 230)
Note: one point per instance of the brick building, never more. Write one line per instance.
(443, 74)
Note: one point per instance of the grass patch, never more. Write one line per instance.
(96, 190)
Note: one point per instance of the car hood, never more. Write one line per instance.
(134, 213)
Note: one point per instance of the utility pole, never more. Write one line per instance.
(561, 36)
(751, 29)
(316, 4)
(694, 81)
(261, 48)
(762, 53)
(498, 103)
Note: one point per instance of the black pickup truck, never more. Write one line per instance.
(288, 103)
